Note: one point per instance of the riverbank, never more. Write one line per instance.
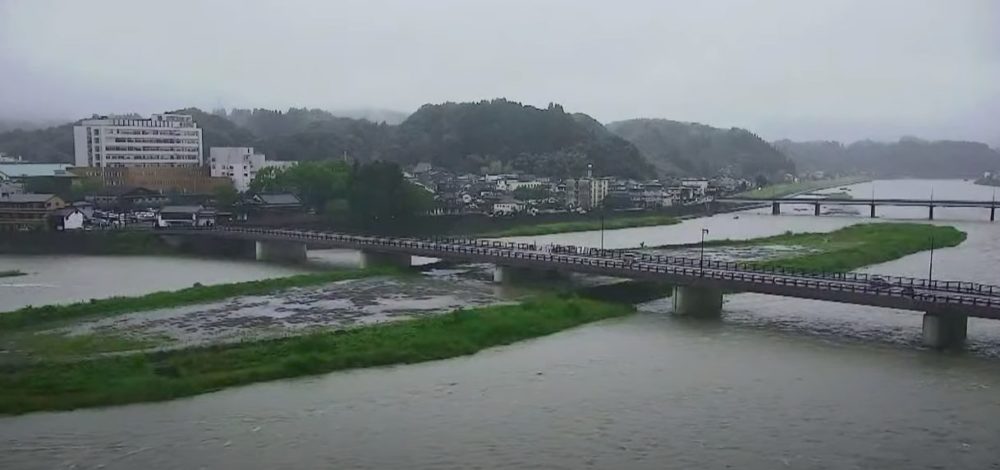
(988, 182)
(87, 243)
(584, 225)
(790, 189)
(173, 374)
(35, 316)
(851, 247)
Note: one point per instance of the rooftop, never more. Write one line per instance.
(182, 209)
(283, 198)
(28, 197)
(23, 170)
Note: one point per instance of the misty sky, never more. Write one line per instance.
(804, 69)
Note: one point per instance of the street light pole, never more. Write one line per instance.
(701, 261)
(930, 264)
(602, 229)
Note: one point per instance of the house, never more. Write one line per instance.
(275, 202)
(68, 218)
(124, 198)
(9, 187)
(507, 207)
(698, 186)
(185, 216)
(28, 211)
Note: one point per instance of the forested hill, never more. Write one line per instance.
(907, 157)
(49, 145)
(684, 148)
(503, 135)
(496, 135)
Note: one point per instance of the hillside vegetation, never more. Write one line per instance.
(495, 135)
(684, 148)
(907, 157)
(503, 135)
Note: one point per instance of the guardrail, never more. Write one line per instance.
(975, 294)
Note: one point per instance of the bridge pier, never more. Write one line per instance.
(993, 214)
(873, 211)
(373, 259)
(941, 331)
(281, 252)
(816, 209)
(930, 215)
(775, 208)
(699, 302)
(514, 275)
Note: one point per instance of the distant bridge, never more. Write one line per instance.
(930, 204)
(699, 284)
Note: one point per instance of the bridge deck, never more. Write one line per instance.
(942, 297)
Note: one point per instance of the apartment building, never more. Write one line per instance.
(163, 140)
(239, 164)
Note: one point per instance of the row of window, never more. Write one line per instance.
(145, 157)
(123, 165)
(112, 131)
(137, 148)
(153, 140)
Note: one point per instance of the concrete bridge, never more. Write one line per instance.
(699, 284)
(930, 204)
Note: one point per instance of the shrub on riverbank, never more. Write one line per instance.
(29, 316)
(11, 273)
(172, 374)
(583, 225)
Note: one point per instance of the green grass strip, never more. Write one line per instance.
(29, 316)
(167, 375)
(855, 246)
(583, 225)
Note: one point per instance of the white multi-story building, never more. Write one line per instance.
(161, 140)
(240, 164)
(598, 191)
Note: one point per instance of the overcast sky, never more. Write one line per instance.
(804, 69)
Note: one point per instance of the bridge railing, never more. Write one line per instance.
(636, 261)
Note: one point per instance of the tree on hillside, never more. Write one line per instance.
(696, 149)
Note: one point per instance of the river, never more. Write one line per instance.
(778, 383)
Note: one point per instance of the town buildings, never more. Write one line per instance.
(20, 212)
(239, 164)
(177, 180)
(162, 140)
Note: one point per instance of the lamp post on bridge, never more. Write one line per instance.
(701, 260)
(930, 264)
(602, 228)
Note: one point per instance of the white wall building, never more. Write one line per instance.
(598, 191)
(698, 185)
(240, 164)
(161, 140)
